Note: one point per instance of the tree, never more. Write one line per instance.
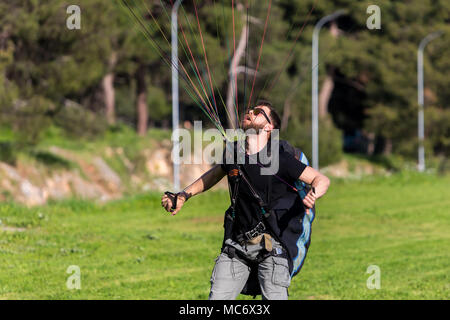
(111, 71)
(108, 90)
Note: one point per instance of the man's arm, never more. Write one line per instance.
(205, 182)
(318, 181)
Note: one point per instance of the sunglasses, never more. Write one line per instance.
(257, 111)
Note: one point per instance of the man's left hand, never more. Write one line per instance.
(310, 200)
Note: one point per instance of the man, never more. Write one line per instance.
(263, 223)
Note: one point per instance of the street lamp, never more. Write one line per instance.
(315, 85)
(175, 97)
(421, 100)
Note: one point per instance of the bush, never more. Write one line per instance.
(391, 162)
(29, 120)
(50, 159)
(330, 141)
(444, 166)
(7, 153)
(80, 122)
(437, 126)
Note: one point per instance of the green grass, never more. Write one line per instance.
(131, 249)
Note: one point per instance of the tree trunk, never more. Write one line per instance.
(108, 90)
(325, 95)
(371, 143)
(334, 30)
(387, 147)
(235, 69)
(288, 105)
(286, 114)
(141, 106)
(232, 90)
(328, 85)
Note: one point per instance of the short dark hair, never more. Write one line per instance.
(274, 117)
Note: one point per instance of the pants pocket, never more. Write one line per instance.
(214, 271)
(228, 278)
(228, 269)
(281, 276)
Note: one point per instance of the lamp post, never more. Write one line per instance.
(175, 97)
(315, 85)
(421, 100)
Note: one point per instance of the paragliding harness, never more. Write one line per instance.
(237, 175)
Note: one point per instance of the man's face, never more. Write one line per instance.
(256, 118)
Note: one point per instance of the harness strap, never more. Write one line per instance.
(233, 195)
(175, 198)
(258, 230)
(253, 191)
(231, 252)
(264, 207)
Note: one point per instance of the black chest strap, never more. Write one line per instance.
(238, 175)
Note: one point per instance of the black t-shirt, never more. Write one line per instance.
(275, 190)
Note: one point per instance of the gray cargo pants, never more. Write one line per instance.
(230, 275)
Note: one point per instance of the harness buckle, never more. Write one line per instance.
(259, 229)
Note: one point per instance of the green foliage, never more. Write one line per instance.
(158, 104)
(29, 120)
(394, 163)
(80, 122)
(51, 159)
(43, 64)
(438, 130)
(7, 153)
(330, 141)
(384, 63)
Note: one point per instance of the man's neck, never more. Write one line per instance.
(256, 142)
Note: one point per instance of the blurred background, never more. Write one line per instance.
(106, 80)
(86, 99)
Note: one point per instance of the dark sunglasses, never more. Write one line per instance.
(257, 111)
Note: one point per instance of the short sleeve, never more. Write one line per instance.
(290, 167)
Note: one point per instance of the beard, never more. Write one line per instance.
(247, 125)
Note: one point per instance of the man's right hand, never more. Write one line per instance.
(168, 200)
(206, 181)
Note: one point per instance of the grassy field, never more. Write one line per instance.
(131, 249)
